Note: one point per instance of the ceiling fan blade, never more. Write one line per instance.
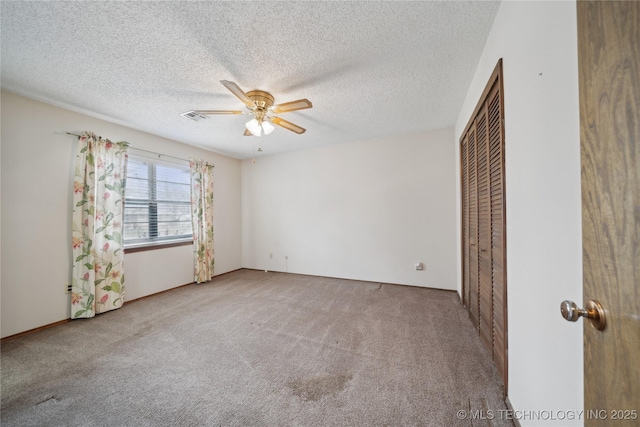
(247, 133)
(288, 125)
(235, 89)
(299, 104)
(219, 112)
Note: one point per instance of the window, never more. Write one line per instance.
(157, 202)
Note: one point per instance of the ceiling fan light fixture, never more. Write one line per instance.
(254, 127)
(267, 127)
(259, 103)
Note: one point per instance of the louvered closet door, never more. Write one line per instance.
(498, 272)
(483, 221)
(472, 248)
(464, 179)
(484, 231)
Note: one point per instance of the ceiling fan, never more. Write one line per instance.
(260, 105)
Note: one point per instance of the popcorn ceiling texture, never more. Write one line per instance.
(371, 69)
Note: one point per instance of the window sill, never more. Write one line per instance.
(152, 246)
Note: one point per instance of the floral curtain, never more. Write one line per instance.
(202, 219)
(98, 200)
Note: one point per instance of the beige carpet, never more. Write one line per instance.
(257, 349)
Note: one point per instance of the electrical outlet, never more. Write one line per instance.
(286, 257)
(67, 288)
(270, 255)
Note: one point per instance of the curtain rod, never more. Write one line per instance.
(147, 151)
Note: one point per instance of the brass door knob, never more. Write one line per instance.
(592, 311)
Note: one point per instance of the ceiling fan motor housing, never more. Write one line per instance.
(263, 100)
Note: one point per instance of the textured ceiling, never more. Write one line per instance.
(370, 68)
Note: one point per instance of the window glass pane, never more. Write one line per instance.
(135, 213)
(137, 169)
(176, 174)
(174, 212)
(134, 231)
(174, 229)
(157, 206)
(137, 186)
(173, 192)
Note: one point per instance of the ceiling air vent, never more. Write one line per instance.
(193, 116)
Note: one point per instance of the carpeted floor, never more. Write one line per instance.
(258, 349)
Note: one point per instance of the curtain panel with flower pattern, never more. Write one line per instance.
(202, 219)
(98, 252)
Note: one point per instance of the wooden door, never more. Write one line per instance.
(484, 289)
(496, 243)
(484, 230)
(609, 78)
(472, 246)
(464, 179)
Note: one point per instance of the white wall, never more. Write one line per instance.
(538, 42)
(365, 210)
(37, 167)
